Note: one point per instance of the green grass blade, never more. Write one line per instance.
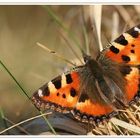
(25, 93)
(2, 120)
(1, 113)
(48, 123)
(60, 23)
(14, 79)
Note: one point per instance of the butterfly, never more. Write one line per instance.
(96, 90)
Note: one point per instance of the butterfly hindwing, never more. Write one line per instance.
(91, 112)
(132, 86)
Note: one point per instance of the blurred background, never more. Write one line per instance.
(21, 27)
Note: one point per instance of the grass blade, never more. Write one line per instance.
(85, 33)
(60, 23)
(115, 27)
(13, 126)
(14, 79)
(25, 93)
(19, 127)
(54, 53)
(3, 119)
(125, 125)
(125, 15)
(96, 16)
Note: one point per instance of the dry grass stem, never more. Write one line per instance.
(115, 27)
(54, 53)
(96, 16)
(125, 15)
(27, 120)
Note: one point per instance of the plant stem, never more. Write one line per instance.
(25, 93)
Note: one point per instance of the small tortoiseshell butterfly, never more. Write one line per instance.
(96, 90)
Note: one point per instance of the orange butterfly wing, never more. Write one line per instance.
(60, 94)
(63, 94)
(126, 50)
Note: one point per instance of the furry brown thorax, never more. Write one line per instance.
(106, 81)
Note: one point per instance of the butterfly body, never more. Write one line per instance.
(99, 88)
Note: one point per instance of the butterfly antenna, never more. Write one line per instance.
(54, 53)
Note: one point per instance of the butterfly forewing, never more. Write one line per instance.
(126, 48)
(61, 93)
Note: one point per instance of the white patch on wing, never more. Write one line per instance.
(40, 93)
(128, 37)
(63, 81)
(137, 29)
(51, 87)
(133, 57)
(119, 46)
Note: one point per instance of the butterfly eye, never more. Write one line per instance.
(87, 58)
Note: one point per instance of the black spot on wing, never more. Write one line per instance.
(139, 86)
(121, 40)
(73, 92)
(58, 94)
(125, 58)
(125, 70)
(57, 82)
(45, 91)
(69, 79)
(83, 97)
(64, 96)
(133, 33)
(132, 51)
(114, 49)
(133, 45)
